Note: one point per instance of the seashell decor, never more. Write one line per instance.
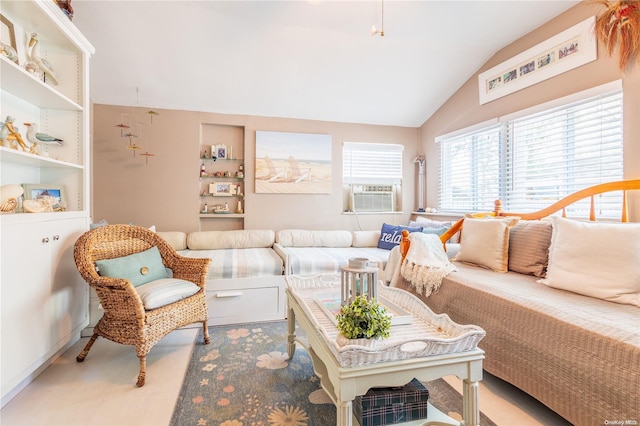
(9, 195)
(8, 206)
(40, 205)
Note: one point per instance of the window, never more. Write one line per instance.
(372, 176)
(532, 160)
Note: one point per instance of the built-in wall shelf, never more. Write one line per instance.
(228, 186)
(221, 215)
(14, 156)
(37, 270)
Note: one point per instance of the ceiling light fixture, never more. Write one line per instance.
(374, 29)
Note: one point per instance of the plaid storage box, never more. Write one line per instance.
(388, 406)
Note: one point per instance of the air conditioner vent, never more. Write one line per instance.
(372, 201)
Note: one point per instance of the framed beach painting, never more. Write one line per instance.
(293, 163)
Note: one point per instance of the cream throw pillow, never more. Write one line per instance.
(596, 259)
(485, 242)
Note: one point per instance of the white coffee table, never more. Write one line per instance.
(431, 347)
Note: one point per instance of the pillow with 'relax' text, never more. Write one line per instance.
(391, 235)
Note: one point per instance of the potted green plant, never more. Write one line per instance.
(363, 319)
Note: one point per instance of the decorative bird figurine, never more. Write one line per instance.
(37, 137)
(43, 64)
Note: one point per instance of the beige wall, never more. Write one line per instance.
(165, 192)
(463, 108)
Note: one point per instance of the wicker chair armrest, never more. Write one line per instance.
(109, 282)
(118, 298)
(192, 269)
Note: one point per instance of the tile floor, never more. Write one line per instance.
(101, 390)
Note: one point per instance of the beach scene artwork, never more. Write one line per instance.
(290, 163)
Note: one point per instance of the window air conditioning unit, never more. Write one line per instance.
(372, 198)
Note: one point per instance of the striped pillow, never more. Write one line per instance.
(529, 243)
(165, 291)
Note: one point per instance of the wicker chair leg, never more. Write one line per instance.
(205, 332)
(87, 348)
(143, 371)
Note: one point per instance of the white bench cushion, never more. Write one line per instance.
(165, 291)
(239, 263)
(320, 260)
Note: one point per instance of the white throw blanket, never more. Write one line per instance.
(426, 263)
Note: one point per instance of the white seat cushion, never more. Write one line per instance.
(165, 291)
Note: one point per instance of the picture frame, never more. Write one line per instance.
(222, 189)
(563, 52)
(8, 34)
(221, 151)
(33, 191)
(293, 163)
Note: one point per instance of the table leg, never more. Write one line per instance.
(470, 407)
(291, 333)
(344, 413)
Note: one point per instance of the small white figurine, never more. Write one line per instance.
(43, 65)
(11, 134)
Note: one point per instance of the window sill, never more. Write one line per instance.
(457, 215)
(369, 213)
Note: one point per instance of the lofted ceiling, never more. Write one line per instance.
(302, 59)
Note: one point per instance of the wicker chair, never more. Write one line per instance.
(125, 320)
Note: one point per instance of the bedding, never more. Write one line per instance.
(562, 323)
(578, 355)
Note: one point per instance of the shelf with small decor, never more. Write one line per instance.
(221, 176)
(45, 193)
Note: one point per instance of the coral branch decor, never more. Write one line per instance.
(619, 27)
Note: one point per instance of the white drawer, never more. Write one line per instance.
(246, 300)
(230, 301)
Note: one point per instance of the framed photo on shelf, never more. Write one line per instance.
(221, 151)
(8, 39)
(37, 191)
(221, 188)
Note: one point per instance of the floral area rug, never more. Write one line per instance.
(244, 378)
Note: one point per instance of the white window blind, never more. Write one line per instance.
(371, 163)
(470, 170)
(531, 161)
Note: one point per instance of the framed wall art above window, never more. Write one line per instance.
(565, 51)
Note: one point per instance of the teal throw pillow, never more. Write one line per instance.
(139, 268)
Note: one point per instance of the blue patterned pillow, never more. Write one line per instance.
(391, 235)
(139, 268)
